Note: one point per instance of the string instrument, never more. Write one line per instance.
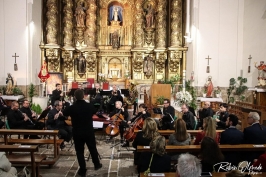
(137, 125)
(113, 128)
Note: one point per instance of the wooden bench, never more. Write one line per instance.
(196, 148)
(220, 174)
(53, 141)
(19, 148)
(169, 132)
(26, 159)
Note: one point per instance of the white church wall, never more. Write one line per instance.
(20, 34)
(254, 37)
(217, 31)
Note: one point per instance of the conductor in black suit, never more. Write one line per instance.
(232, 136)
(83, 132)
(57, 94)
(254, 134)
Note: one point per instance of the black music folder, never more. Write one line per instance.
(157, 111)
(105, 92)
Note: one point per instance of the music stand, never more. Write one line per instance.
(42, 116)
(157, 111)
(104, 92)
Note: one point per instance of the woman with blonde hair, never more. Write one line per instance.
(144, 137)
(156, 161)
(209, 129)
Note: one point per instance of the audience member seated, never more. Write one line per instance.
(209, 129)
(188, 166)
(5, 167)
(210, 154)
(261, 161)
(232, 136)
(26, 109)
(19, 120)
(223, 115)
(254, 134)
(206, 111)
(144, 137)
(56, 121)
(188, 117)
(156, 161)
(167, 119)
(180, 137)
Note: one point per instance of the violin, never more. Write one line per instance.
(113, 128)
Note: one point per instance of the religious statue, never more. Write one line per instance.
(261, 73)
(81, 64)
(209, 87)
(80, 16)
(115, 13)
(148, 66)
(9, 84)
(115, 40)
(115, 16)
(149, 16)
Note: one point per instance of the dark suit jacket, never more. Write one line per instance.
(27, 111)
(166, 111)
(118, 97)
(54, 124)
(203, 114)
(232, 136)
(188, 117)
(223, 118)
(81, 117)
(16, 120)
(55, 96)
(254, 134)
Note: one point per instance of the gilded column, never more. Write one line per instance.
(138, 37)
(161, 24)
(68, 23)
(176, 25)
(90, 33)
(51, 25)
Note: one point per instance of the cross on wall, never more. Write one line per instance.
(15, 64)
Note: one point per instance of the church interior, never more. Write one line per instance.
(188, 51)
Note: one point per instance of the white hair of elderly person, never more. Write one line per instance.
(188, 166)
(5, 167)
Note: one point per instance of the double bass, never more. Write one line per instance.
(113, 128)
(137, 125)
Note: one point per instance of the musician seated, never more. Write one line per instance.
(18, 120)
(56, 121)
(141, 114)
(120, 110)
(115, 96)
(3, 107)
(167, 119)
(97, 99)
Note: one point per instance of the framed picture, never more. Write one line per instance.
(53, 79)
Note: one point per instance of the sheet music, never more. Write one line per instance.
(97, 124)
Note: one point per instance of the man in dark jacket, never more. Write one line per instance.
(232, 136)
(254, 134)
(205, 112)
(56, 121)
(83, 132)
(223, 115)
(168, 115)
(57, 94)
(188, 117)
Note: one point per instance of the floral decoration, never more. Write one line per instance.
(183, 97)
(102, 77)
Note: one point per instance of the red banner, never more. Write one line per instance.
(43, 74)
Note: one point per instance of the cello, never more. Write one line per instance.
(137, 125)
(113, 128)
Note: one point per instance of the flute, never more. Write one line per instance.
(24, 114)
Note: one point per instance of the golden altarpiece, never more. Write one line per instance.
(140, 39)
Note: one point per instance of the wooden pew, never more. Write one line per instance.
(215, 174)
(169, 132)
(19, 148)
(196, 148)
(56, 142)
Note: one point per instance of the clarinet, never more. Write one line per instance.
(27, 116)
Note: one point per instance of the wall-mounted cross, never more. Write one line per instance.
(249, 63)
(208, 67)
(15, 65)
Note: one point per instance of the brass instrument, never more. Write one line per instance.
(133, 95)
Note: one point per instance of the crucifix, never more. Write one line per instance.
(208, 67)
(249, 63)
(15, 65)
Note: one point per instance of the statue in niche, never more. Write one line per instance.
(115, 40)
(261, 73)
(81, 64)
(115, 13)
(149, 16)
(148, 66)
(9, 84)
(80, 15)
